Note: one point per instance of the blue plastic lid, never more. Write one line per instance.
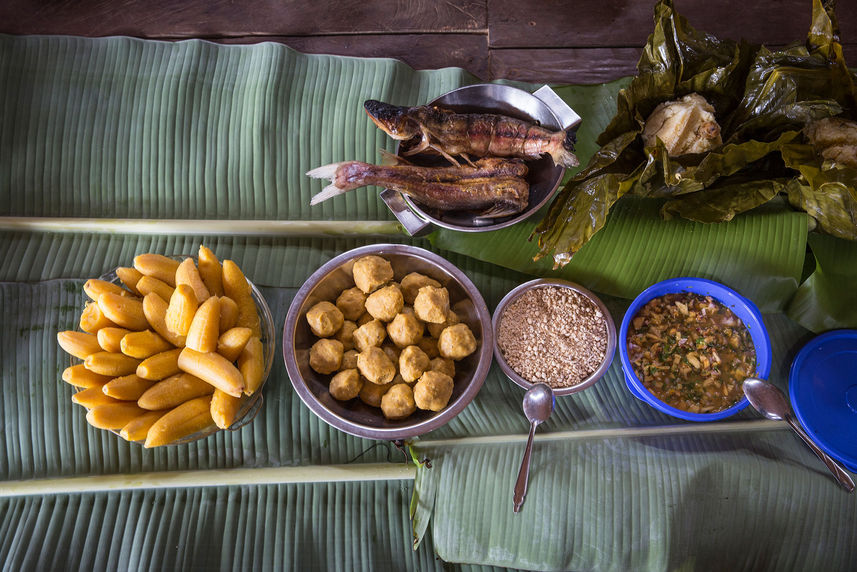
(823, 391)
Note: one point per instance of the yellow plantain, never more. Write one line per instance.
(213, 368)
(188, 418)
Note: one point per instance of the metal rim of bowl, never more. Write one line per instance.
(526, 213)
(631, 378)
(251, 408)
(392, 433)
(515, 293)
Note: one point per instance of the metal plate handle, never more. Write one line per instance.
(414, 225)
(568, 118)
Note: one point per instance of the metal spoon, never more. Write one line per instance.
(770, 402)
(538, 405)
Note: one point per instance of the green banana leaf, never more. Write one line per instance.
(827, 299)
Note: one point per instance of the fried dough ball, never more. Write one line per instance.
(371, 272)
(371, 393)
(433, 390)
(443, 365)
(405, 329)
(364, 319)
(451, 319)
(345, 385)
(392, 352)
(370, 334)
(385, 303)
(432, 304)
(375, 366)
(412, 363)
(352, 303)
(456, 342)
(429, 346)
(325, 355)
(349, 360)
(412, 283)
(324, 319)
(346, 334)
(398, 402)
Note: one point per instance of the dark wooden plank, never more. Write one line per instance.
(614, 23)
(420, 51)
(577, 65)
(224, 18)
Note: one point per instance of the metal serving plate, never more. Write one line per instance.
(543, 107)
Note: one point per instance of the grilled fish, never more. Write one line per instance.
(465, 134)
(493, 184)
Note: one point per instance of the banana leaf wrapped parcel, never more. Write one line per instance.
(719, 127)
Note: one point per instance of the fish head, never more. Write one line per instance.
(392, 119)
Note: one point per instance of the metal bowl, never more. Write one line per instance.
(354, 416)
(541, 283)
(543, 107)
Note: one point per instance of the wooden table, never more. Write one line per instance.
(583, 41)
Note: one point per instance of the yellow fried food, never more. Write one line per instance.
(370, 334)
(375, 366)
(129, 277)
(138, 428)
(173, 391)
(324, 319)
(124, 311)
(385, 303)
(429, 346)
(211, 271)
(93, 319)
(372, 393)
(228, 313)
(110, 339)
(325, 355)
(405, 329)
(443, 365)
(346, 334)
(451, 319)
(79, 376)
(456, 342)
(205, 326)
(412, 363)
(433, 390)
(92, 397)
(352, 303)
(160, 366)
(235, 286)
(127, 387)
(188, 418)
(78, 344)
(398, 402)
(187, 273)
(155, 309)
(345, 385)
(158, 266)
(231, 343)
(148, 284)
(180, 312)
(412, 283)
(251, 364)
(213, 368)
(143, 344)
(349, 360)
(225, 408)
(112, 364)
(95, 287)
(113, 416)
(371, 272)
(432, 304)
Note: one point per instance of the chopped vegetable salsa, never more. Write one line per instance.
(691, 352)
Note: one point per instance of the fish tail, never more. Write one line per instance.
(563, 154)
(331, 190)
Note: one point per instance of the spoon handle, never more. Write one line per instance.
(524, 472)
(838, 472)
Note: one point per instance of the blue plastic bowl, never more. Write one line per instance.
(740, 306)
(823, 392)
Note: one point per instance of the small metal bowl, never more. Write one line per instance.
(355, 417)
(542, 107)
(541, 283)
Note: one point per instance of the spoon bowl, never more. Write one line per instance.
(768, 400)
